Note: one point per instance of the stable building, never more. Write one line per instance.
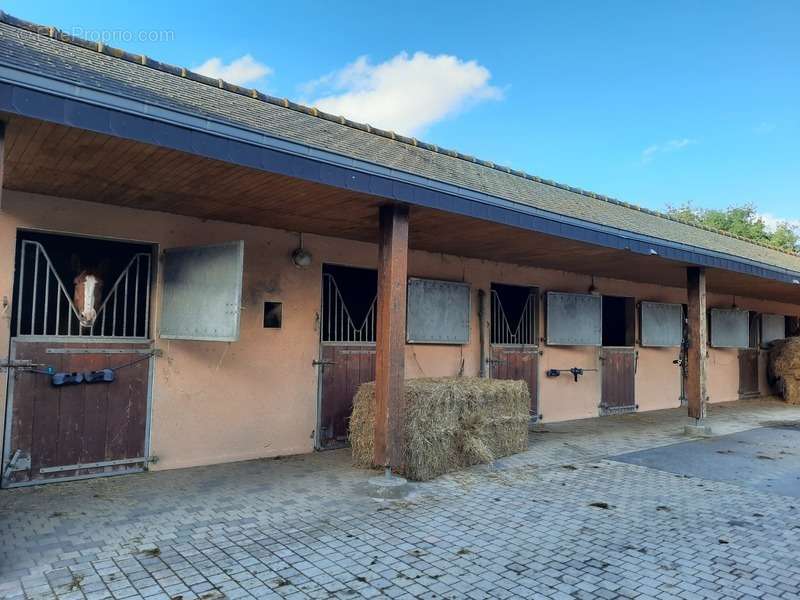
(195, 273)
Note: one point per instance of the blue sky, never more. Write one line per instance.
(649, 102)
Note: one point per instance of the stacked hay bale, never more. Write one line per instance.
(450, 423)
(784, 368)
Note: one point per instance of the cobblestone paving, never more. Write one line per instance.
(558, 521)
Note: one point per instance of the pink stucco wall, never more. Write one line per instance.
(216, 402)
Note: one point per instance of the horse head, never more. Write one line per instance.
(88, 292)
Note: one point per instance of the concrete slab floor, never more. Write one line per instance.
(765, 459)
(558, 521)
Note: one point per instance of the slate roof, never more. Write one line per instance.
(47, 51)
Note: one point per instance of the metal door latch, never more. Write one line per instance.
(322, 363)
(575, 371)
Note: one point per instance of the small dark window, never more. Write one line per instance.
(273, 315)
(619, 321)
(755, 329)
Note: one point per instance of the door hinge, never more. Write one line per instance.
(20, 365)
(20, 461)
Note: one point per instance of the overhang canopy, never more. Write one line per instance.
(214, 150)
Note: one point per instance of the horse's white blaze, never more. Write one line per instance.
(89, 287)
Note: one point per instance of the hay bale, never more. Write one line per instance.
(451, 423)
(784, 368)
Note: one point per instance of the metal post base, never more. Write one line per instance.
(388, 486)
(697, 428)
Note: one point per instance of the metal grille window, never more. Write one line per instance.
(514, 316)
(338, 324)
(44, 306)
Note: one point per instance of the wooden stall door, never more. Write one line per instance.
(82, 430)
(343, 369)
(618, 381)
(748, 373)
(518, 363)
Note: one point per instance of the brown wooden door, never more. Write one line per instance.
(518, 363)
(748, 373)
(64, 432)
(618, 381)
(343, 369)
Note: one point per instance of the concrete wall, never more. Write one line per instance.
(216, 402)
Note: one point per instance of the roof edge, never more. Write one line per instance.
(141, 59)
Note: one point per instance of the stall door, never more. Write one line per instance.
(78, 388)
(748, 373)
(517, 364)
(618, 355)
(618, 379)
(343, 369)
(80, 430)
(748, 359)
(513, 337)
(347, 348)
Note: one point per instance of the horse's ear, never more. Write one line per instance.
(75, 263)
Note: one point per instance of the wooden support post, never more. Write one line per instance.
(391, 336)
(697, 351)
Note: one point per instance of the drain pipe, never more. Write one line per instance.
(481, 301)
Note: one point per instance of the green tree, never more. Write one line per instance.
(743, 221)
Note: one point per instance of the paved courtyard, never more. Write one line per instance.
(605, 508)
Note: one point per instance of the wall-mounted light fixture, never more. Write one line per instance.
(301, 257)
(592, 287)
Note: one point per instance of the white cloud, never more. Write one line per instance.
(239, 71)
(406, 93)
(771, 222)
(649, 153)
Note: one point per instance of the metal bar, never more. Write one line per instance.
(46, 300)
(58, 315)
(21, 287)
(328, 306)
(103, 321)
(147, 301)
(75, 338)
(136, 301)
(69, 320)
(114, 314)
(97, 351)
(104, 463)
(35, 289)
(125, 308)
(340, 317)
(33, 482)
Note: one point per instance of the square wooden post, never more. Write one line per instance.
(391, 336)
(697, 351)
